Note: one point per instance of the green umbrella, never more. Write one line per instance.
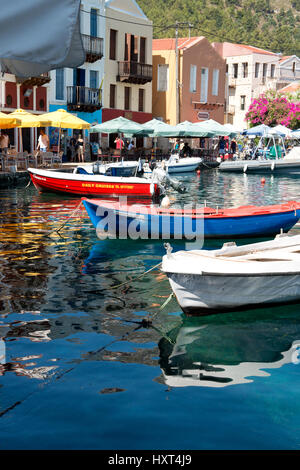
(160, 129)
(189, 129)
(119, 125)
(213, 127)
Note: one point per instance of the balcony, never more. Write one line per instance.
(134, 72)
(35, 81)
(93, 48)
(81, 98)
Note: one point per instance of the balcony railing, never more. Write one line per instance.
(81, 98)
(134, 72)
(93, 48)
(35, 81)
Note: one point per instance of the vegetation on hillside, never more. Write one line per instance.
(262, 23)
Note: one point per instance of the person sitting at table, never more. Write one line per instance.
(43, 143)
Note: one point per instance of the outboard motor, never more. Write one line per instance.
(161, 177)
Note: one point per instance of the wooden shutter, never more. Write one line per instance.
(112, 96)
(141, 99)
(112, 44)
(142, 50)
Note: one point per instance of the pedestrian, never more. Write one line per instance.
(4, 142)
(80, 148)
(43, 142)
(222, 143)
(233, 146)
(119, 143)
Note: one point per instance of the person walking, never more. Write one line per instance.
(4, 142)
(43, 142)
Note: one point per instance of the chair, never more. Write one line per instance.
(57, 158)
(21, 160)
(46, 158)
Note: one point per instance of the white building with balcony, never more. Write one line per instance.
(250, 72)
(80, 90)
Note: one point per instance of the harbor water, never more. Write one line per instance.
(80, 370)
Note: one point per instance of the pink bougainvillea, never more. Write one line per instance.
(272, 109)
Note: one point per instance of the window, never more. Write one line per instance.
(93, 23)
(193, 78)
(162, 78)
(204, 85)
(265, 68)
(112, 96)
(243, 102)
(60, 84)
(245, 69)
(235, 70)
(127, 93)
(94, 79)
(142, 50)
(256, 73)
(112, 44)
(272, 70)
(215, 82)
(141, 99)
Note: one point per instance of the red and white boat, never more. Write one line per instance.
(93, 184)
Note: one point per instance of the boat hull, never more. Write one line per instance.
(210, 294)
(92, 185)
(160, 226)
(261, 166)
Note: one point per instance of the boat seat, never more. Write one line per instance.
(82, 171)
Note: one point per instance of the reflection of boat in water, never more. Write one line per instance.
(218, 353)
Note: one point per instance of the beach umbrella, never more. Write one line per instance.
(233, 130)
(213, 127)
(185, 129)
(64, 120)
(260, 130)
(120, 125)
(159, 129)
(27, 119)
(282, 130)
(296, 134)
(8, 122)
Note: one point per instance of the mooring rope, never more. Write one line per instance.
(137, 277)
(57, 230)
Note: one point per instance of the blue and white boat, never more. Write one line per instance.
(150, 221)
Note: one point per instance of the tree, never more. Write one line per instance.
(273, 108)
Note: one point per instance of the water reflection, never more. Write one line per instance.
(230, 349)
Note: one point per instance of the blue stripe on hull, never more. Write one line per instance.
(158, 226)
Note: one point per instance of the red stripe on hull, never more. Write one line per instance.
(92, 188)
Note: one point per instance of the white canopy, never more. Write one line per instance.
(40, 35)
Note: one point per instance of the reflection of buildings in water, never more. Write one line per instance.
(221, 354)
(2, 351)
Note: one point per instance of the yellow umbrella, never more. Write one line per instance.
(8, 122)
(28, 120)
(64, 120)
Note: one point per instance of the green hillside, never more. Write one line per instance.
(270, 24)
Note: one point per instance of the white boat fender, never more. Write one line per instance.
(165, 202)
(272, 166)
(168, 248)
(245, 168)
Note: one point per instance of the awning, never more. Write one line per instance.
(37, 36)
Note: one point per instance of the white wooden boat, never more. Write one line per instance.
(235, 277)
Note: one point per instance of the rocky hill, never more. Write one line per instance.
(270, 24)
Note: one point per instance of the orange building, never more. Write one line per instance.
(201, 80)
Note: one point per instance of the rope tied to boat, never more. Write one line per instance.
(137, 277)
(73, 213)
